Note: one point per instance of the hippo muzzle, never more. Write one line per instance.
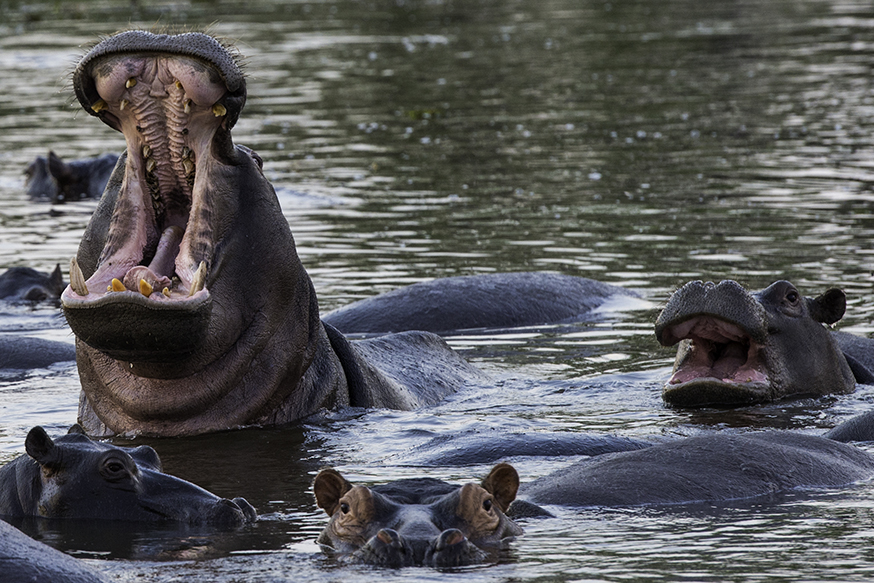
(737, 347)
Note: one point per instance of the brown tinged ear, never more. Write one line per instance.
(829, 307)
(329, 486)
(502, 483)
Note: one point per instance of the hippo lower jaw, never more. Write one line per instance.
(722, 365)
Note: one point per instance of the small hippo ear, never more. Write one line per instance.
(829, 307)
(77, 429)
(59, 169)
(57, 280)
(329, 486)
(503, 483)
(40, 446)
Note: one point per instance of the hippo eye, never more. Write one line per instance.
(792, 296)
(114, 469)
(487, 504)
(344, 508)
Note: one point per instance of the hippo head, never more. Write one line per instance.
(77, 478)
(30, 285)
(420, 522)
(737, 347)
(191, 309)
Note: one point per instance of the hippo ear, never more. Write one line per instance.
(329, 486)
(56, 279)
(829, 307)
(40, 446)
(59, 169)
(503, 483)
(77, 429)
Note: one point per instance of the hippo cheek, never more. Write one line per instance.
(717, 363)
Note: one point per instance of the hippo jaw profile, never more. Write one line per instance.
(740, 348)
(76, 478)
(417, 522)
(191, 309)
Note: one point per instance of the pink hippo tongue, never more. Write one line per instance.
(157, 275)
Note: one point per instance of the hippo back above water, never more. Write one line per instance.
(73, 477)
(737, 347)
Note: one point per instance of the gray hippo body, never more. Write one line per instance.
(737, 347)
(498, 300)
(24, 352)
(73, 477)
(419, 521)
(52, 178)
(29, 285)
(24, 560)
(713, 468)
(191, 308)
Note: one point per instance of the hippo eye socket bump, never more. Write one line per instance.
(792, 296)
(114, 468)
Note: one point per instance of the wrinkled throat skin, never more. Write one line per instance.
(736, 347)
(191, 309)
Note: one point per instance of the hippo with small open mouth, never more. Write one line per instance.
(737, 347)
(417, 522)
(73, 477)
(191, 309)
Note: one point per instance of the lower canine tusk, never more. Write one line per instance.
(77, 279)
(199, 279)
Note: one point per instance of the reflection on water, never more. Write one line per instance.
(642, 144)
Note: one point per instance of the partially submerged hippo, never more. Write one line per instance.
(50, 177)
(423, 522)
(26, 284)
(73, 477)
(24, 560)
(191, 308)
(709, 468)
(737, 347)
(496, 300)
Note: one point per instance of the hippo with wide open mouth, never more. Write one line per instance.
(191, 308)
(737, 347)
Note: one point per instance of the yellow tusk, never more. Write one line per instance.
(166, 291)
(98, 106)
(117, 285)
(132, 82)
(219, 110)
(145, 288)
(77, 279)
(122, 104)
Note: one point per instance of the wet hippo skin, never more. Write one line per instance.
(28, 284)
(73, 477)
(191, 308)
(52, 178)
(24, 560)
(423, 522)
(738, 347)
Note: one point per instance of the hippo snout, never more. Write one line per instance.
(230, 513)
(450, 548)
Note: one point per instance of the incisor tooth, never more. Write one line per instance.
(77, 279)
(130, 82)
(186, 151)
(188, 165)
(199, 279)
(145, 288)
(122, 104)
(147, 151)
(166, 291)
(186, 107)
(150, 165)
(98, 106)
(178, 84)
(116, 285)
(219, 110)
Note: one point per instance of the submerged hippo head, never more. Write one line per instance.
(77, 478)
(737, 347)
(191, 309)
(422, 522)
(27, 284)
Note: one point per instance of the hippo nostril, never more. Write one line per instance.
(390, 538)
(248, 510)
(448, 538)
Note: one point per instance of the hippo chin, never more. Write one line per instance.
(73, 477)
(737, 347)
(418, 522)
(191, 308)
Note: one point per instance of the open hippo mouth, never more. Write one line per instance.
(721, 364)
(175, 98)
(722, 358)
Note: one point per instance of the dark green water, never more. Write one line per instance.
(639, 143)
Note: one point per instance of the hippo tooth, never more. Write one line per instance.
(122, 104)
(145, 288)
(147, 151)
(178, 84)
(199, 279)
(186, 151)
(188, 165)
(132, 82)
(116, 285)
(166, 291)
(219, 110)
(77, 279)
(186, 107)
(98, 106)
(150, 165)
